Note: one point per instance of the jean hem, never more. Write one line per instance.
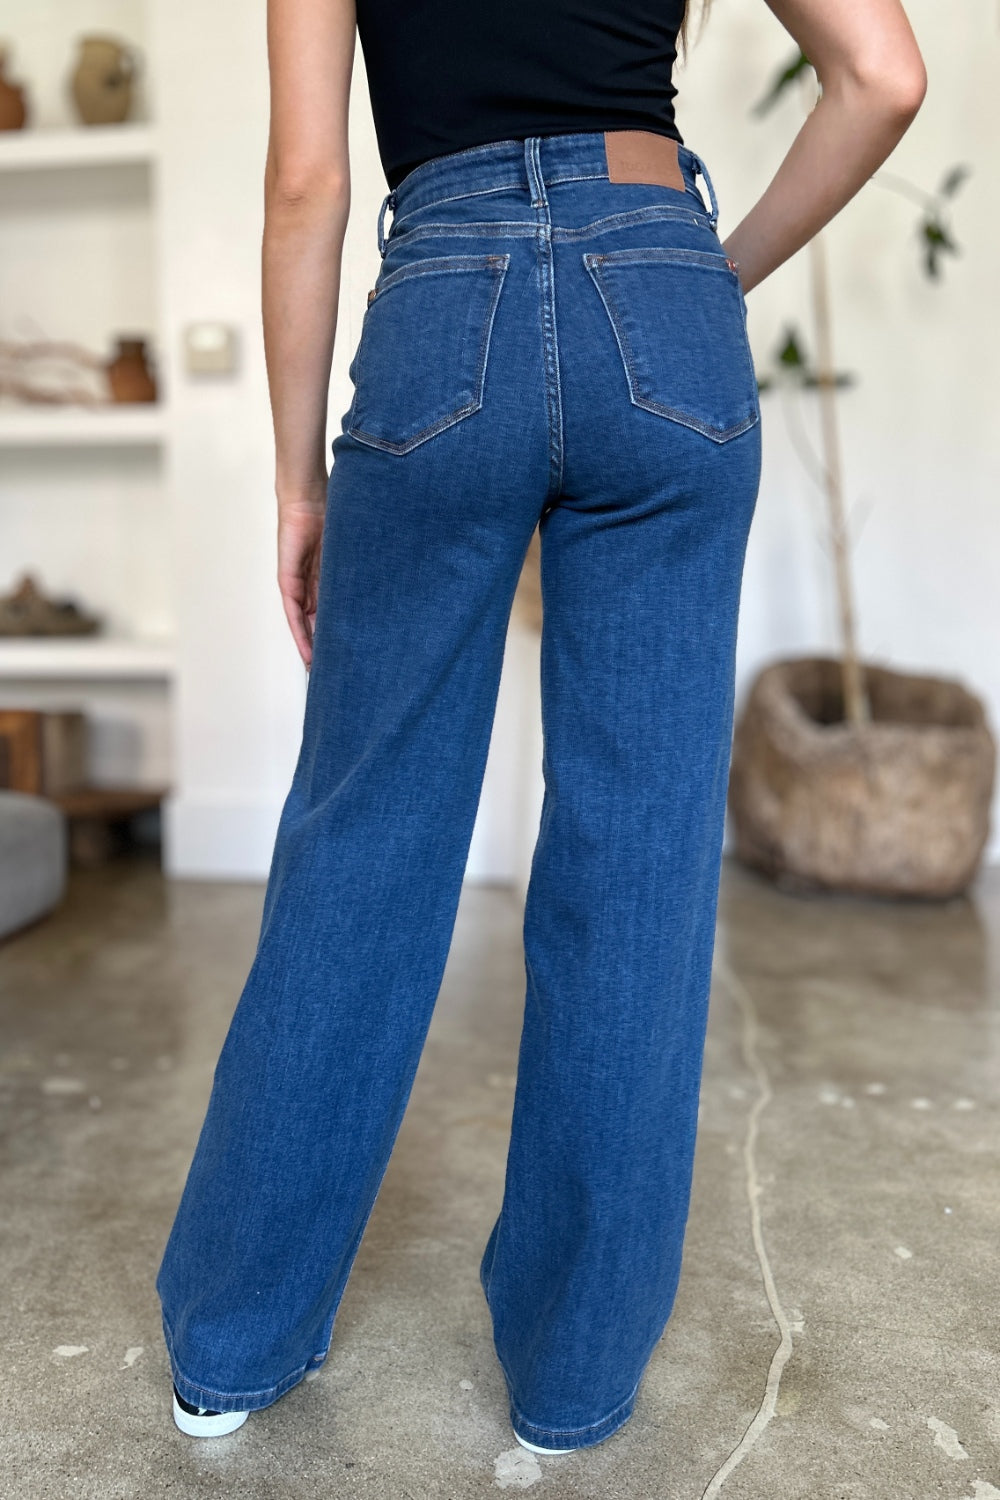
(559, 1437)
(573, 1437)
(203, 1395)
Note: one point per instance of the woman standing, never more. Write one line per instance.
(556, 338)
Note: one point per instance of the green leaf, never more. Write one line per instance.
(953, 180)
(790, 354)
(782, 81)
(793, 364)
(936, 241)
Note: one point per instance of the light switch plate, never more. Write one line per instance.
(210, 349)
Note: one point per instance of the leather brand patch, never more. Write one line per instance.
(642, 156)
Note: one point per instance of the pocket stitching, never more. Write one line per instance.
(710, 260)
(442, 265)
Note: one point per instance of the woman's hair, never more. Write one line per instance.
(684, 34)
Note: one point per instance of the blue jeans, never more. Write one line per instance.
(544, 347)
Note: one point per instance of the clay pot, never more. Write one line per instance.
(129, 373)
(101, 83)
(13, 104)
(899, 806)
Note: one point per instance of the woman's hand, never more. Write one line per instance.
(873, 82)
(300, 538)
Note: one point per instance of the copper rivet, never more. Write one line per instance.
(371, 295)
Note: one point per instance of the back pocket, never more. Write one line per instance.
(420, 365)
(679, 319)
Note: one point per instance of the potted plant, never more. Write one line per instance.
(849, 775)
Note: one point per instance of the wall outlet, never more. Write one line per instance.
(210, 349)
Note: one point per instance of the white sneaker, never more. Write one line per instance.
(201, 1421)
(534, 1449)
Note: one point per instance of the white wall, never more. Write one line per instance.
(921, 440)
(920, 432)
(241, 684)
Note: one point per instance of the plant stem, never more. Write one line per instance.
(903, 186)
(857, 709)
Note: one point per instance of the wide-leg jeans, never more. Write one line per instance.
(543, 346)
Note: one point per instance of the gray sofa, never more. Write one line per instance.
(34, 856)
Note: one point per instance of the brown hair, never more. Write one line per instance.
(684, 35)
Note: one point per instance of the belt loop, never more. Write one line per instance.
(714, 210)
(389, 201)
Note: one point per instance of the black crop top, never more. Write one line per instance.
(447, 74)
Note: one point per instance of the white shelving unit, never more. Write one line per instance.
(83, 489)
(94, 658)
(82, 146)
(75, 427)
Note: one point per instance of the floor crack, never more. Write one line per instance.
(782, 1354)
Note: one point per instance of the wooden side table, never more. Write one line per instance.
(98, 818)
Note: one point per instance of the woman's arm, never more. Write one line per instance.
(306, 200)
(873, 82)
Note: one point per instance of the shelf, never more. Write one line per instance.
(142, 425)
(86, 657)
(80, 146)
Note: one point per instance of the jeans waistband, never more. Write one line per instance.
(533, 163)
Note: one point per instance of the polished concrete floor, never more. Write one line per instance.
(837, 1329)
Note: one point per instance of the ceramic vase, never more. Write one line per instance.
(13, 104)
(129, 374)
(101, 83)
